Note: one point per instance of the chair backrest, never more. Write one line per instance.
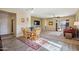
(25, 30)
(38, 31)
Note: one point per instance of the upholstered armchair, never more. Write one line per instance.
(71, 32)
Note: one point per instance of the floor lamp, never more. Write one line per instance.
(76, 24)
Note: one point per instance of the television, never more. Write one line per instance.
(36, 22)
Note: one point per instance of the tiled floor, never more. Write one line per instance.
(12, 44)
(67, 44)
(16, 45)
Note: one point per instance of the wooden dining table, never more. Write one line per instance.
(32, 35)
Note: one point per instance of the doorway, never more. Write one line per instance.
(12, 25)
(7, 23)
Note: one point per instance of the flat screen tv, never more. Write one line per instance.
(36, 22)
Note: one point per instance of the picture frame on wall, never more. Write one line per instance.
(50, 22)
(22, 20)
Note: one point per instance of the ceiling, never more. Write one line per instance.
(53, 12)
(46, 12)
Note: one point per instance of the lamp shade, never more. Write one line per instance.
(76, 23)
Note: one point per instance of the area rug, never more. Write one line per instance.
(42, 42)
(30, 43)
(49, 45)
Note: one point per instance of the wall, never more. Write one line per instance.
(46, 26)
(71, 21)
(19, 24)
(77, 17)
(5, 27)
(44, 23)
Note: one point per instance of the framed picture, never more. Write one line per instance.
(22, 20)
(50, 22)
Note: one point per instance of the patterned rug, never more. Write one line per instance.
(30, 43)
(41, 42)
(49, 45)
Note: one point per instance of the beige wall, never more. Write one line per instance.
(46, 26)
(71, 21)
(77, 17)
(44, 23)
(4, 24)
(19, 24)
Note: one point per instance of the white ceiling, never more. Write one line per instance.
(53, 12)
(45, 12)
